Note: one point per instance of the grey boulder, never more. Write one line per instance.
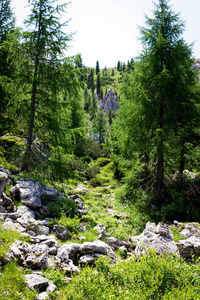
(157, 237)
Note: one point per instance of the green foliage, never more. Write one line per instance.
(56, 276)
(44, 92)
(70, 223)
(153, 277)
(89, 235)
(12, 285)
(97, 68)
(12, 147)
(6, 239)
(176, 234)
(61, 206)
(158, 111)
(7, 23)
(99, 127)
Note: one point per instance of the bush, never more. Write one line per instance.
(62, 206)
(71, 224)
(153, 277)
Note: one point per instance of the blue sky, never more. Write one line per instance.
(107, 30)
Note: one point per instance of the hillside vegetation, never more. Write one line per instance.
(102, 179)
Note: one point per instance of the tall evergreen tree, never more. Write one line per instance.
(118, 66)
(46, 85)
(160, 96)
(90, 81)
(99, 126)
(98, 84)
(97, 67)
(7, 24)
(45, 44)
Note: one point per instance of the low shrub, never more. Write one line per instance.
(71, 224)
(153, 277)
(62, 206)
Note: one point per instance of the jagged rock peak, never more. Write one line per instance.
(109, 102)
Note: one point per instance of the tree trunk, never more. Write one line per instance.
(182, 165)
(27, 155)
(160, 157)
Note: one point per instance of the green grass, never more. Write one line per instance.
(176, 235)
(12, 284)
(8, 237)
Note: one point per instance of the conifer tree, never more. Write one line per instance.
(45, 43)
(46, 88)
(98, 84)
(97, 67)
(7, 24)
(161, 95)
(99, 126)
(90, 81)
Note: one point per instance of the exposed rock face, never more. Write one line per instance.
(61, 233)
(9, 225)
(95, 249)
(109, 102)
(68, 251)
(189, 247)
(116, 243)
(38, 257)
(157, 237)
(28, 192)
(190, 229)
(3, 181)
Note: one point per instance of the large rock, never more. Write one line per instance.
(68, 251)
(12, 216)
(97, 247)
(189, 247)
(159, 238)
(17, 253)
(191, 229)
(28, 192)
(35, 281)
(109, 102)
(6, 201)
(61, 232)
(25, 212)
(13, 226)
(38, 257)
(90, 259)
(3, 181)
(116, 243)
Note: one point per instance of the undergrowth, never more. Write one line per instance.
(153, 277)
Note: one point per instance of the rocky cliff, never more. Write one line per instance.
(109, 102)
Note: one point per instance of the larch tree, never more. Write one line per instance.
(45, 43)
(159, 103)
(45, 89)
(7, 24)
